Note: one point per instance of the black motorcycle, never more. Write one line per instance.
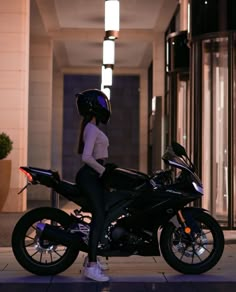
(144, 215)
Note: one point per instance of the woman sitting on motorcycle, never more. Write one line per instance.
(94, 106)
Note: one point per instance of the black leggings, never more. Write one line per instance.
(91, 185)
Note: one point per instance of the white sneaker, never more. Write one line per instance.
(102, 266)
(95, 273)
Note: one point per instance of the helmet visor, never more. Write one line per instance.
(104, 102)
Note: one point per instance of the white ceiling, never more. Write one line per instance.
(90, 14)
(77, 29)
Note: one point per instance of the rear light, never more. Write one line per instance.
(29, 176)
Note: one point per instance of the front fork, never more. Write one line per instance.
(188, 221)
(186, 227)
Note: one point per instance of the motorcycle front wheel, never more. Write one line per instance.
(196, 253)
(42, 257)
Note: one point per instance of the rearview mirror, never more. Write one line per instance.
(178, 149)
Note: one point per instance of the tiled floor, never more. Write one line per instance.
(133, 273)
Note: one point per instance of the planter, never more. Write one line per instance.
(5, 177)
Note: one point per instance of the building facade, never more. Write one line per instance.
(201, 98)
(185, 93)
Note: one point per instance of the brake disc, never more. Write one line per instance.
(195, 248)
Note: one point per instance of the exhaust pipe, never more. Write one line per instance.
(60, 236)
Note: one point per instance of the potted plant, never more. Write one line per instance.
(5, 167)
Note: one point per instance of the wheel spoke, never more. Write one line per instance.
(36, 252)
(203, 246)
(29, 237)
(183, 253)
(192, 258)
(30, 244)
(56, 252)
(51, 257)
(195, 252)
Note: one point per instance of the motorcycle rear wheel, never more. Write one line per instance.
(38, 256)
(194, 256)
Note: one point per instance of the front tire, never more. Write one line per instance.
(194, 256)
(38, 256)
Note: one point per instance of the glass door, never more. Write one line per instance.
(215, 127)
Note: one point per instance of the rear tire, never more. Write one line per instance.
(37, 256)
(197, 256)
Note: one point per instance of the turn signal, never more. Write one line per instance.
(187, 230)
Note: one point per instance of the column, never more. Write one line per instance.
(183, 17)
(159, 90)
(57, 119)
(14, 71)
(143, 121)
(40, 110)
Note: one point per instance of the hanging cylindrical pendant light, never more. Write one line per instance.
(107, 75)
(112, 18)
(108, 52)
(107, 91)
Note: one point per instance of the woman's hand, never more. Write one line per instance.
(108, 172)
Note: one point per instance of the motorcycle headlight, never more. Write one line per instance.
(197, 187)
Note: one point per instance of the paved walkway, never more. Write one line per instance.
(133, 273)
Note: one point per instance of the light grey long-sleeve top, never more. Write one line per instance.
(95, 147)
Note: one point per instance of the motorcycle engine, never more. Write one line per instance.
(118, 233)
(123, 238)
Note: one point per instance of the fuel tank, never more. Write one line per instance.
(127, 179)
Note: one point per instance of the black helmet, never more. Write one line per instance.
(93, 102)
